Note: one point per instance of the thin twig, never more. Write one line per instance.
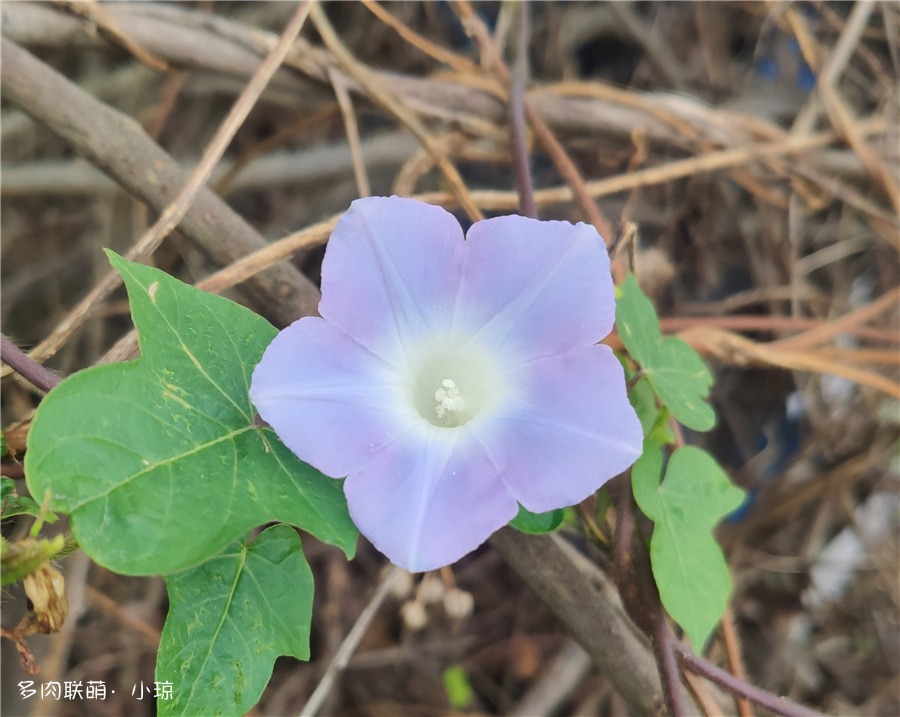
(340, 659)
(241, 271)
(835, 64)
(441, 54)
(839, 114)
(380, 94)
(19, 67)
(175, 212)
(558, 155)
(520, 163)
(352, 131)
(94, 12)
(109, 606)
(735, 660)
(20, 362)
(827, 331)
(669, 171)
(305, 122)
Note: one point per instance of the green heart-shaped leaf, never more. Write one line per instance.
(688, 565)
(677, 374)
(159, 461)
(230, 617)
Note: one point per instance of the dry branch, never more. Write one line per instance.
(200, 41)
(588, 603)
(119, 146)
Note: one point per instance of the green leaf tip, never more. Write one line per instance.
(159, 461)
(688, 565)
(677, 374)
(538, 523)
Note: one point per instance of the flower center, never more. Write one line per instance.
(451, 404)
(452, 385)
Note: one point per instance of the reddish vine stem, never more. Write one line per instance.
(520, 164)
(28, 368)
(661, 638)
(12, 470)
(737, 686)
(640, 596)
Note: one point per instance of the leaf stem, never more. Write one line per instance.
(41, 377)
(632, 382)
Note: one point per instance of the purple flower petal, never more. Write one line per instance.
(392, 265)
(534, 287)
(571, 429)
(449, 378)
(329, 399)
(428, 499)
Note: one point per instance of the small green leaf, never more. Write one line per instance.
(538, 523)
(159, 461)
(688, 565)
(229, 619)
(677, 374)
(23, 505)
(12, 504)
(458, 688)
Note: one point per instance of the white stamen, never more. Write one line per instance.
(449, 399)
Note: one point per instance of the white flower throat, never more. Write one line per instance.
(451, 405)
(453, 382)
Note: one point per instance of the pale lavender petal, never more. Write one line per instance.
(571, 429)
(535, 288)
(391, 271)
(329, 399)
(425, 503)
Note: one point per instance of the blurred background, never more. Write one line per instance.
(743, 157)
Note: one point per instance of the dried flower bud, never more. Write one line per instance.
(458, 604)
(402, 583)
(46, 589)
(414, 615)
(431, 590)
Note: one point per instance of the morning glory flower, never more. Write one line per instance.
(450, 379)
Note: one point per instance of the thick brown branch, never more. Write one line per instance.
(587, 602)
(120, 147)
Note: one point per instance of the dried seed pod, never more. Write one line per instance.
(46, 590)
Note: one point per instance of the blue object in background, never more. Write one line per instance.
(779, 442)
(782, 62)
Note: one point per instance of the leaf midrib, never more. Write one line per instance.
(165, 462)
